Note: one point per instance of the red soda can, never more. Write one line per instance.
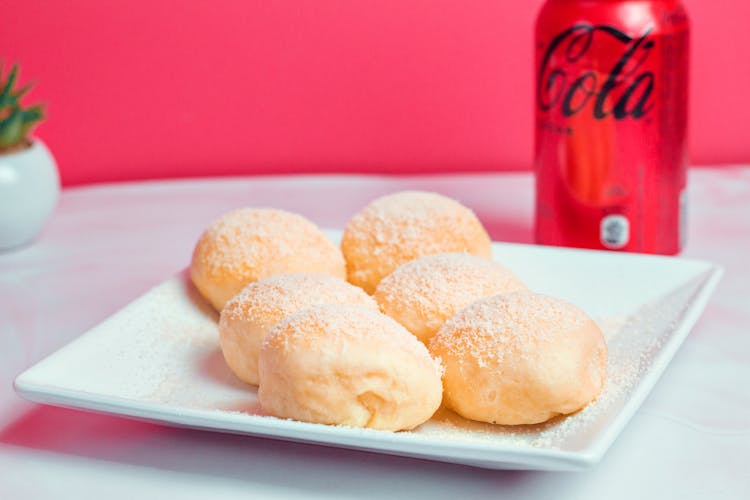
(611, 124)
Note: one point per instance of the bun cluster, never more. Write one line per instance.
(445, 323)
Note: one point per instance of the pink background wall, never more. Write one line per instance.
(157, 88)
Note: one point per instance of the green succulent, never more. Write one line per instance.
(16, 121)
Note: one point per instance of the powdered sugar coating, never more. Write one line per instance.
(516, 323)
(250, 244)
(423, 293)
(400, 227)
(520, 358)
(247, 318)
(274, 298)
(350, 365)
(340, 322)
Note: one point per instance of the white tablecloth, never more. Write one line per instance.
(108, 244)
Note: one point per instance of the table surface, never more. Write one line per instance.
(108, 244)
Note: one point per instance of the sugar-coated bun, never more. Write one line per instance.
(247, 318)
(400, 227)
(250, 244)
(347, 365)
(423, 293)
(520, 358)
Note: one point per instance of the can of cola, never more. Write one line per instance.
(611, 124)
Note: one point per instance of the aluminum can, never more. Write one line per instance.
(611, 124)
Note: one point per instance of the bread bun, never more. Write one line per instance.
(400, 227)
(247, 318)
(423, 293)
(250, 244)
(520, 358)
(347, 365)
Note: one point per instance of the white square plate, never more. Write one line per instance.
(158, 359)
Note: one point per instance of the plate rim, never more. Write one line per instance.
(268, 427)
(388, 442)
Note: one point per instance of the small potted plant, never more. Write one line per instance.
(29, 182)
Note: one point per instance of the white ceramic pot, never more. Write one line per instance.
(29, 188)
